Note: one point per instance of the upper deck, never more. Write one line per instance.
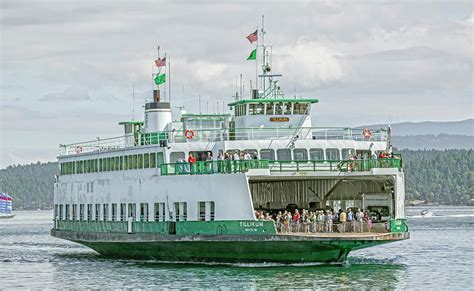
(139, 139)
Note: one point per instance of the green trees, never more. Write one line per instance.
(445, 177)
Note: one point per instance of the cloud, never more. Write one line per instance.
(73, 94)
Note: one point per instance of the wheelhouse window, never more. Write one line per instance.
(284, 154)
(267, 154)
(332, 154)
(269, 107)
(288, 106)
(146, 161)
(300, 108)
(278, 108)
(316, 154)
(300, 154)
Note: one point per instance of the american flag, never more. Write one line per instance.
(253, 36)
(160, 62)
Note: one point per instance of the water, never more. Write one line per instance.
(439, 255)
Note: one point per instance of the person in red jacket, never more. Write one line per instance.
(296, 220)
(192, 163)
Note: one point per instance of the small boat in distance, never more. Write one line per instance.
(6, 206)
(426, 213)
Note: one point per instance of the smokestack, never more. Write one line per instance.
(156, 95)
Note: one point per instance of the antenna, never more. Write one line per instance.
(199, 92)
(169, 80)
(133, 100)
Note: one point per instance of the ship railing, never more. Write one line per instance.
(212, 167)
(215, 135)
(334, 165)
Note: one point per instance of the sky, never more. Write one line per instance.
(68, 68)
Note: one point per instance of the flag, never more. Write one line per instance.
(160, 62)
(253, 55)
(160, 79)
(253, 36)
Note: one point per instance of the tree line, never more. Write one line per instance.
(434, 176)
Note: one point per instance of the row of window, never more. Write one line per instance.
(121, 211)
(276, 108)
(118, 163)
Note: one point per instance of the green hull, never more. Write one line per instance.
(227, 248)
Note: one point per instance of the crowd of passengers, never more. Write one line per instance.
(327, 221)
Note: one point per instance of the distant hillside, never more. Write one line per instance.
(431, 141)
(30, 185)
(463, 127)
(444, 177)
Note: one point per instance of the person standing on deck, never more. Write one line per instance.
(296, 220)
(330, 219)
(192, 163)
(342, 219)
(350, 219)
(360, 220)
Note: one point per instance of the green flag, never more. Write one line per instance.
(160, 79)
(253, 55)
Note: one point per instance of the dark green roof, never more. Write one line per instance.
(293, 100)
(203, 115)
(131, 122)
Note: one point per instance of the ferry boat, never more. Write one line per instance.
(140, 195)
(6, 206)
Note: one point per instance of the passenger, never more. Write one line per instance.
(296, 221)
(286, 221)
(330, 219)
(368, 220)
(360, 220)
(278, 221)
(342, 219)
(192, 163)
(320, 221)
(247, 156)
(313, 218)
(350, 219)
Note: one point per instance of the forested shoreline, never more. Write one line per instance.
(432, 176)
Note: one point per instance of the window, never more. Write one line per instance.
(202, 211)
(213, 210)
(159, 159)
(284, 154)
(316, 154)
(278, 108)
(143, 211)
(176, 211)
(347, 153)
(121, 163)
(180, 211)
(134, 161)
(97, 212)
(117, 163)
(300, 154)
(106, 212)
(175, 156)
(304, 108)
(140, 161)
(74, 212)
(253, 153)
(288, 106)
(270, 110)
(146, 161)
(89, 212)
(252, 109)
(68, 213)
(132, 210)
(153, 160)
(61, 211)
(159, 212)
(101, 166)
(109, 164)
(114, 212)
(301, 108)
(123, 211)
(267, 154)
(332, 154)
(260, 109)
(81, 212)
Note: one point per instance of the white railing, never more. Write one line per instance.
(214, 135)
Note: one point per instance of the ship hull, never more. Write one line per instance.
(229, 248)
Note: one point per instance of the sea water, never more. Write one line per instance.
(439, 255)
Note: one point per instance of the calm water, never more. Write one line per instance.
(439, 255)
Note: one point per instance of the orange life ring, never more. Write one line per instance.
(367, 133)
(78, 149)
(189, 134)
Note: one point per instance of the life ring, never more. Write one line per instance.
(78, 149)
(367, 133)
(189, 134)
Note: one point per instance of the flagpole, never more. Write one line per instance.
(164, 87)
(256, 63)
(169, 80)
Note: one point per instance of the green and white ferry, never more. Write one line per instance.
(136, 196)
